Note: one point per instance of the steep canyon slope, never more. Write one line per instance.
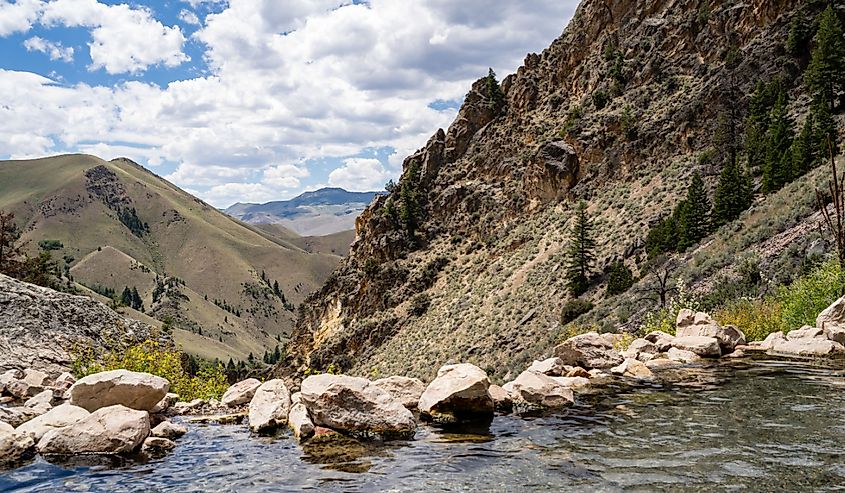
(621, 110)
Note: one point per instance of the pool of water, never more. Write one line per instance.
(766, 426)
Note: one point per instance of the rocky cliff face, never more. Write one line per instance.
(620, 110)
(41, 328)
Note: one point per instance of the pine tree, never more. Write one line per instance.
(759, 112)
(11, 256)
(825, 75)
(277, 355)
(802, 149)
(126, 297)
(410, 212)
(696, 215)
(580, 253)
(733, 194)
(495, 96)
(824, 130)
(777, 170)
(276, 290)
(137, 302)
(799, 36)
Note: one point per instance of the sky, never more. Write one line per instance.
(253, 100)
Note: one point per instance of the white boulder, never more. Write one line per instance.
(406, 390)
(459, 393)
(108, 430)
(240, 393)
(269, 407)
(58, 417)
(135, 390)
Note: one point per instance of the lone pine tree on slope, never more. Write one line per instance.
(581, 252)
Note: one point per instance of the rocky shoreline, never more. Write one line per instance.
(119, 411)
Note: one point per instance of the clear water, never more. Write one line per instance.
(771, 426)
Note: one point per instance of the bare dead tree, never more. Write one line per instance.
(661, 286)
(834, 223)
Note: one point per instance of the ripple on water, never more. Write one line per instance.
(772, 426)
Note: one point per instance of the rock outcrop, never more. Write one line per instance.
(40, 326)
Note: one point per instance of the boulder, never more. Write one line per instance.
(658, 364)
(299, 422)
(6, 427)
(168, 429)
(296, 398)
(771, 339)
(157, 445)
(640, 349)
(835, 334)
(552, 367)
(502, 401)
(729, 337)
(140, 391)
(189, 407)
(108, 430)
(633, 368)
(537, 390)
(269, 407)
(832, 316)
(64, 381)
(165, 403)
(405, 390)
(682, 356)
(573, 382)
(58, 417)
(707, 347)
(356, 406)
(17, 416)
(240, 393)
(807, 347)
(13, 445)
(588, 351)
(806, 332)
(577, 371)
(459, 393)
(41, 400)
(661, 340)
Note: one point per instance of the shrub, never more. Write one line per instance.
(571, 330)
(48, 245)
(757, 318)
(809, 295)
(574, 309)
(420, 304)
(600, 99)
(158, 359)
(619, 279)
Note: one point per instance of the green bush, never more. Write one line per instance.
(574, 309)
(757, 318)
(619, 279)
(803, 300)
(158, 359)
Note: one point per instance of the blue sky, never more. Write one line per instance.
(253, 100)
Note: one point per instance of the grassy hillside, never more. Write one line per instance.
(87, 205)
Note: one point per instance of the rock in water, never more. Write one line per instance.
(134, 390)
(633, 368)
(58, 417)
(240, 393)
(808, 347)
(552, 367)
(406, 390)
(501, 398)
(39, 326)
(269, 407)
(108, 430)
(539, 390)
(299, 422)
(356, 406)
(707, 347)
(13, 445)
(690, 324)
(167, 429)
(459, 393)
(588, 351)
(157, 445)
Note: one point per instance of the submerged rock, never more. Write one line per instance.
(406, 390)
(356, 406)
(682, 356)
(537, 390)
(589, 351)
(269, 407)
(108, 430)
(135, 390)
(240, 393)
(808, 347)
(58, 417)
(157, 445)
(459, 393)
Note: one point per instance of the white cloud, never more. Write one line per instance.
(285, 175)
(18, 16)
(360, 175)
(54, 50)
(189, 17)
(317, 79)
(229, 193)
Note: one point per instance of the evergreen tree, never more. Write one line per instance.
(757, 124)
(277, 355)
(137, 302)
(11, 256)
(799, 36)
(802, 149)
(580, 252)
(825, 75)
(619, 278)
(410, 212)
(495, 96)
(126, 297)
(777, 170)
(276, 290)
(824, 130)
(733, 194)
(696, 216)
